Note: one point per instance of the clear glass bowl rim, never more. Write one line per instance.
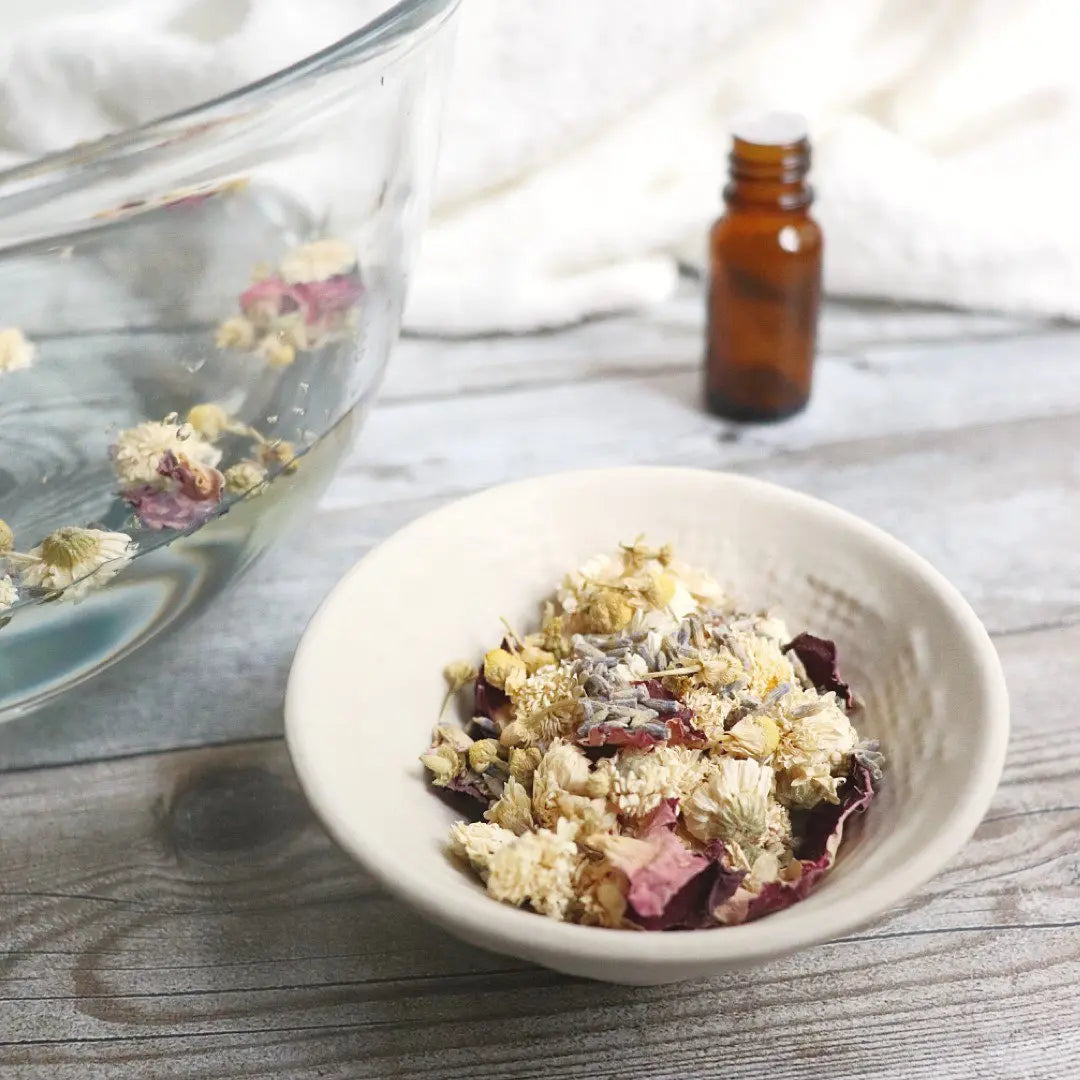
(405, 19)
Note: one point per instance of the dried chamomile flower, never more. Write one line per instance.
(8, 593)
(638, 554)
(514, 810)
(444, 763)
(554, 635)
(548, 704)
(77, 560)
(604, 611)
(594, 817)
(535, 658)
(600, 890)
(448, 756)
(245, 477)
(7, 538)
(816, 740)
(537, 867)
(504, 670)
(720, 668)
(477, 842)
(277, 352)
(235, 333)
(523, 762)
(453, 735)
(138, 451)
(754, 736)
(601, 570)
(485, 753)
(278, 453)
(700, 584)
(16, 352)
(710, 712)
(769, 666)
(732, 804)
(211, 421)
(601, 779)
(459, 673)
(660, 590)
(778, 839)
(642, 779)
(317, 261)
(563, 769)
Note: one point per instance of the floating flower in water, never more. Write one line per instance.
(307, 301)
(245, 478)
(76, 561)
(190, 497)
(16, 352)
(7, 538)
(138, 451)
(278, 453)
(211, 421)
(235, 333)
(318, 261)
(275, 352)
(8, 593)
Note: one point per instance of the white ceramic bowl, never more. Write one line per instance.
(366, 686)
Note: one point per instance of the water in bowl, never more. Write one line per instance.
(123, 319)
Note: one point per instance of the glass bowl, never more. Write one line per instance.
(196, 316)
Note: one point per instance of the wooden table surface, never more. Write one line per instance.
(169, 907)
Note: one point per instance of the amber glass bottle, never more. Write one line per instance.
(764, 276)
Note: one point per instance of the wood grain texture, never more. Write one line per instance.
(168, 906)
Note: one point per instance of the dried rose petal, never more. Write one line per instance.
(818, 656)
(676, 888)
(157, 509)
(319, 300)
(198, 491)
(680, 731)
(265, 299)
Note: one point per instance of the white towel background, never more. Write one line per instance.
(585, 140)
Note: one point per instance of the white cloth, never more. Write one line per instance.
(585, 141)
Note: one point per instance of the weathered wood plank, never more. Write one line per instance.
(183, 912)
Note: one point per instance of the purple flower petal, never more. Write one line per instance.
(166, 509)
(669, 886)
(818, 656)
(323, 299)
(197, 493)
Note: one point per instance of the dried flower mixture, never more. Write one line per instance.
(651, 758)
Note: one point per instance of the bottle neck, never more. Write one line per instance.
(768, 177)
